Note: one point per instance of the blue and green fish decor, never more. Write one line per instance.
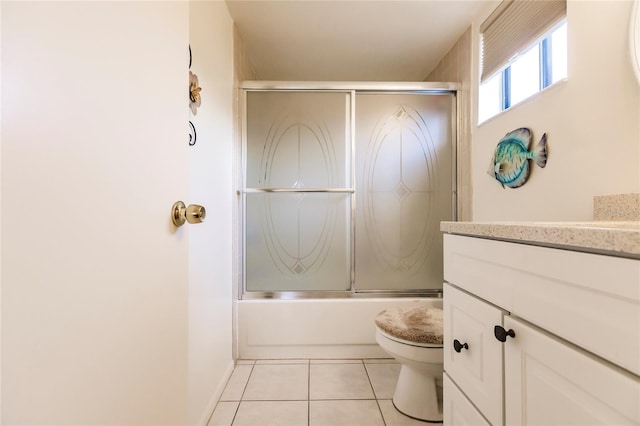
(510, 162)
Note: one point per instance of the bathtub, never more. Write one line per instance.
(313, 328)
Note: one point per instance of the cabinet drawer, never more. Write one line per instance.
(548, 382)
(588, 299)
(477, 369)
(458, 410)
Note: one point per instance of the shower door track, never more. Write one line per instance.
(352, 88)
(358, 86)
(315, 190)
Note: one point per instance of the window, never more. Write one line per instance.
(532, 70)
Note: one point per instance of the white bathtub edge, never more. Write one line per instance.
(313, 328)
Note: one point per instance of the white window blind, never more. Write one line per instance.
(513, 26)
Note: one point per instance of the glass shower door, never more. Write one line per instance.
(404, 188)
(297, 197)
(344, 191)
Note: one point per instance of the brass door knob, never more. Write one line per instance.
(192, 214)
(196, 213)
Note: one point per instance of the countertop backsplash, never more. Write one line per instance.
(623, 207)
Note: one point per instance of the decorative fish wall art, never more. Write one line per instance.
(510, 162)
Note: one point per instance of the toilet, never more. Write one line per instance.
(413, 336)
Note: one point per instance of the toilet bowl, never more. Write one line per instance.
(413, 336)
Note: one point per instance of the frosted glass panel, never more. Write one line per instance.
(296, 241)
(298, 140)
(403, 189)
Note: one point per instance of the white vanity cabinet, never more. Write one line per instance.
(474, 363)
(570, 322)
(458, 410)
(548, 382)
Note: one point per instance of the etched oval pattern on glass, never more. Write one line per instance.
(298, 228)
(398, 184)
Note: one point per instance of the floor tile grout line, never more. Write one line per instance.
(246, 385)
(311, 400)
(384, 421)
(373, 390)
(309, 393)
(235, 413)
(375, 395)
(273, 400)
(244, 389)
(342, 399)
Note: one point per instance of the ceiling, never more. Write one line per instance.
(356, 40)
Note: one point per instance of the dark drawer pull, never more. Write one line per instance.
(502, 334)
(458, 347)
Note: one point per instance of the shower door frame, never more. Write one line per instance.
(352, 88)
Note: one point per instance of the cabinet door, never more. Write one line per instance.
(549, 382)
(476, 369)
(458, 410)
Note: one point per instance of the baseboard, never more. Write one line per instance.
(211, 406)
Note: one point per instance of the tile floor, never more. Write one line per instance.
(312, 393)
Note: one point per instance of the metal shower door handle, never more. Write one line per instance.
(192, 214)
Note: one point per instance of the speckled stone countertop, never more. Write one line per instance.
(606, 237)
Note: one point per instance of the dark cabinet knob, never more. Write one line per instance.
(458, 347)
(501, 334)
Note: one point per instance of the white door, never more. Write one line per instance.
(94, 153)
(548, 382)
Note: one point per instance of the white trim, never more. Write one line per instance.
(213, 402)
(549, 88)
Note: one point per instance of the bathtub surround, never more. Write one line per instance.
(320, 328)
(456, 66)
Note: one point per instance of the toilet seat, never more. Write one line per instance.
(409, 342)
(416, 325)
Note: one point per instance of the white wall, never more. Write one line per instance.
(210, 173)
(94, 152)
(592, 123)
